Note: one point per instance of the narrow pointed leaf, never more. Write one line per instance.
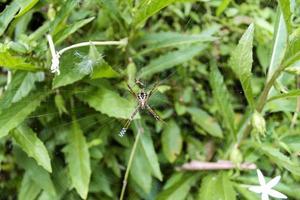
(221, 96)
(241, 62)
(171, 59)
(171, 141)
(147, 8)
(78, 159)
(32, 145)
(14, 115)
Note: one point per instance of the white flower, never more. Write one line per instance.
(55, 56)
(265, 189)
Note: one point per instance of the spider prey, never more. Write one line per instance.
(142, 98)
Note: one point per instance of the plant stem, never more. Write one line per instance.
(140, 130)
(260, 103)
(97, 43)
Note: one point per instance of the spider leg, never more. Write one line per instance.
(124, 129)
(153, 89)
(131, 91)
(155, 115)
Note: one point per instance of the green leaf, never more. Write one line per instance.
(25, 6)
(171, 59)
(14, 115)
(171, 141)
(222, 98)
(108, 102)
(292, 53)
(285, 6)
(35, 172)
(32, 145)
(147, 8)
(29, 190)
(224, 4)
(78, 159)
(174, 39)
(140, 170)
(59, 22)
(293, 142)
(179, 189)
(70, 29)
(7, 16)
(279, 46)
(206, 122)
(279, 158)
(290, 94)
(68, 73)
(10, 61)
(149, 153)
(104, 70)
(241, 62)
(245, 192)
(217, 187)
(27, 85)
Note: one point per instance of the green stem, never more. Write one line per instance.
(140, 130)
(260, 103)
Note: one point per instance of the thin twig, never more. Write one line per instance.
(220, 165)
(140, 130)
(96, 43)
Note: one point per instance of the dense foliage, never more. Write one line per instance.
(228, 74)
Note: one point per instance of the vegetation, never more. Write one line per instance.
(228, 75)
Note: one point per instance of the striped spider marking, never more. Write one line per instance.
(142, 98)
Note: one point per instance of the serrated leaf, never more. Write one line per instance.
(241, 62)
(29, 190)
(149, 153)
(36, 173)
(147, 8)
(179, 189)
(7, 15)
(206, 122)
(14, 115)
(171, 59)
(108, 102)
(171, 141)
(78, 159)
(68, 73)
(32, 145)
(7, 60)
(279, 158)
(70, 29)
(217, 187)
(221, 96)
(103, 70)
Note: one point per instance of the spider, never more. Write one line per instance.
(142, 98)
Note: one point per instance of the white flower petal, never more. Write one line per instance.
(276, 194)
(261, 177)
(256, 189)
(264, 196)
(273, 182)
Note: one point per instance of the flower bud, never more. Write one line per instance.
(236, 156)
(258, 122)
